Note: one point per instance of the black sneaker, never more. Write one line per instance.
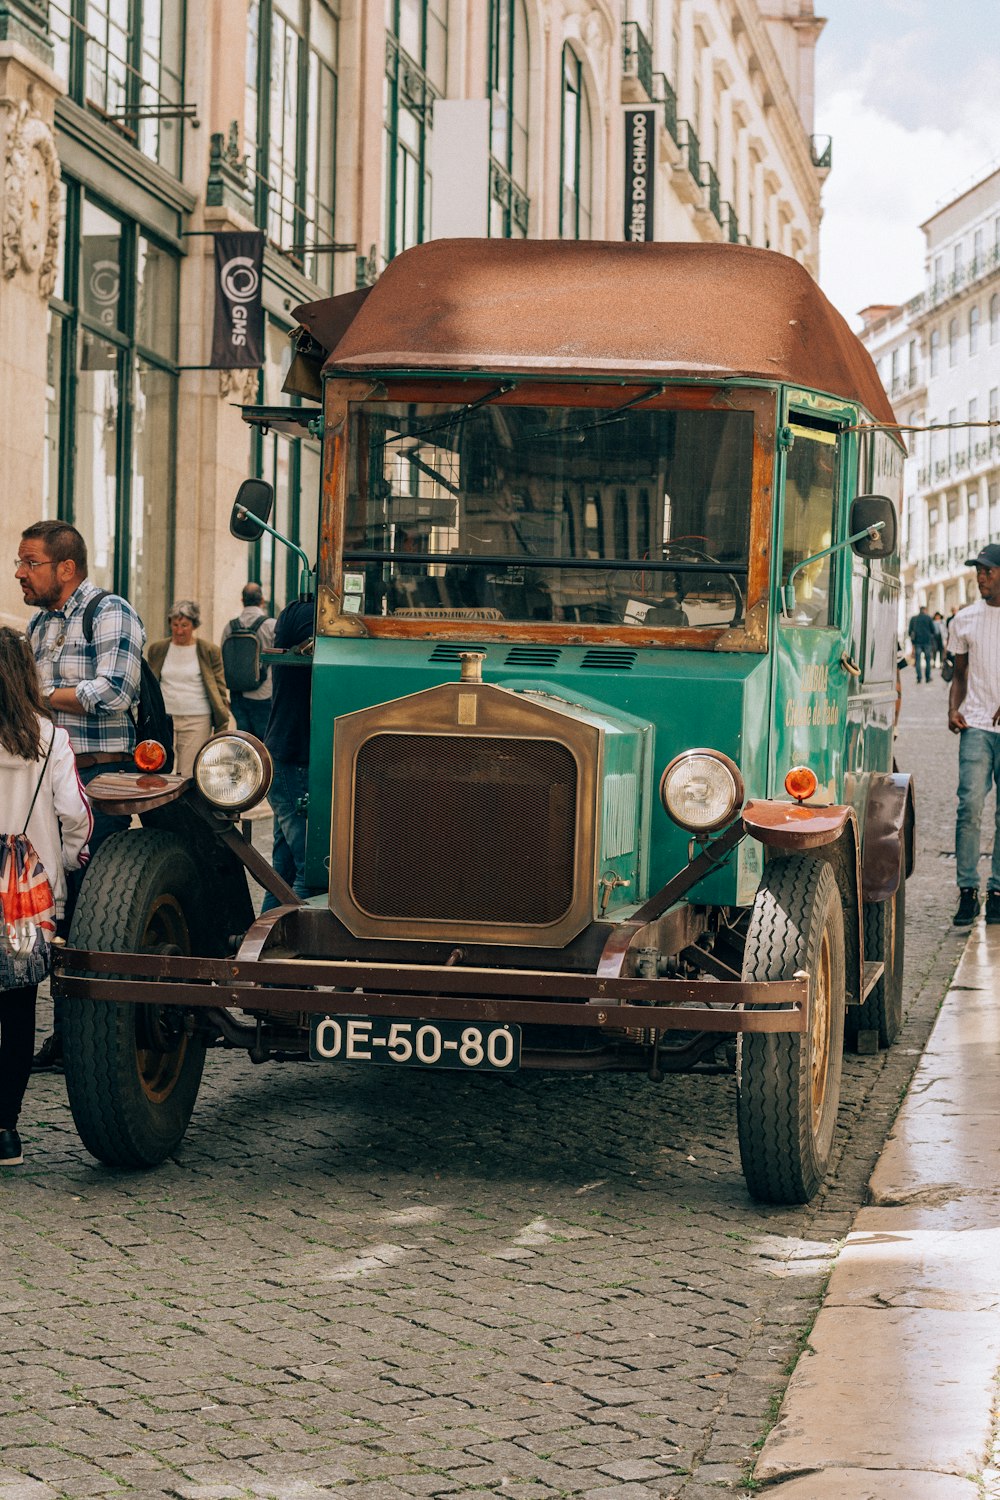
(993, 908)
(48, 1058)
(11, 1154)
(968, 907)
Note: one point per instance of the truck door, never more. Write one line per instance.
(812, 634)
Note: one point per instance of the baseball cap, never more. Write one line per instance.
(989, 557)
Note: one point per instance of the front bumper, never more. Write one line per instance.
(292, 988)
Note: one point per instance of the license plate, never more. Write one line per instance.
(415, 1044)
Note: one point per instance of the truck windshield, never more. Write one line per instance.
(528, 513)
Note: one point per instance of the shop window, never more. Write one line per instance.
(124, 61)
(290, 128)
(111, 415)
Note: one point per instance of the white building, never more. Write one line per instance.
(344, 131)
(939, 358)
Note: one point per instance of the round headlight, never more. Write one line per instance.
(701, 790)
(233, 771)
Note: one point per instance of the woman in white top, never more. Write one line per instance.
(193, 684)
(35, 756)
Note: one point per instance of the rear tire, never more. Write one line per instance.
(132, 1072)
(885, 939)
(788, 1083)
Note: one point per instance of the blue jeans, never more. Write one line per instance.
(251, 714)
(289, 787)
(925, 652)
(978, 766)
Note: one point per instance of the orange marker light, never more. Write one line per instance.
(800, 783)
(149, 755)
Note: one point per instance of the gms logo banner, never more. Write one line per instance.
(238, 332)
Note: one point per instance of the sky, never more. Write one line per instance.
(910, 92)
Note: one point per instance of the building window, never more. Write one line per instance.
(292, 465)
(416, 57)
(111, 433)
(124, 61)
(995, 317)
(912, 362)
(508, 75)
(935, 351)
(577, 152)
(290, 128)
(952, 341)
(994, 403)
(973, 329)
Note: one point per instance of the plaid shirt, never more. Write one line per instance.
(104, 672)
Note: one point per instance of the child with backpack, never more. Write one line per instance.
(47, 823)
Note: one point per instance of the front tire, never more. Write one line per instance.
(132, 1072)
(788, 1083)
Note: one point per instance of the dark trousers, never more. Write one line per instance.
(17, 1046)
(251, 714)
(104, 827)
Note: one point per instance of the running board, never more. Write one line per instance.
(873, 973)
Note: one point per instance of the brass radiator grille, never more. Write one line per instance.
(475, 828)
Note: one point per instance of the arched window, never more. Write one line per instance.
(973, 329)
(508, 76)
(577, 152)
(953, 341)
(995, 317)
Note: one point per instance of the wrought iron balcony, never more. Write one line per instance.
(664, 95)
(637, 56)
(710, 181)
(691, 146)
(514, 202)
(730, 224)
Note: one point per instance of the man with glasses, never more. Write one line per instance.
(91, 686)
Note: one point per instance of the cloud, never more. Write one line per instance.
(887, 178)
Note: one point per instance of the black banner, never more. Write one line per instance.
(238, 334)
(640, 173)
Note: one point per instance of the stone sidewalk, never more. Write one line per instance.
(894, 1397)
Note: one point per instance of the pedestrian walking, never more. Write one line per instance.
(251, 633)
(974, 714)
(42, 801)
(287, 739)
(193, 683)
(937, 654)
(922, 634)
(89, 673)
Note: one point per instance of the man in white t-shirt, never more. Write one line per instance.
(974, 714)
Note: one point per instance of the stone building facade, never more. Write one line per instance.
(345, 131)
(939, 358)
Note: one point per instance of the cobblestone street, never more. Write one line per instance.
(426, 1284)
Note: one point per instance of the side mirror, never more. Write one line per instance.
(252, 506)
(868, 511)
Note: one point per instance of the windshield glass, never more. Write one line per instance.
(528, 513)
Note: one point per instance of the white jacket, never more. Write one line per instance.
(61, 822)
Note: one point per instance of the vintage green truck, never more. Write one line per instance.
(602, 685)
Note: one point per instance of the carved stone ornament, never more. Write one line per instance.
(239, 383)
(31, 192)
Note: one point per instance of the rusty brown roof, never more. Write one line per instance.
(584, 307)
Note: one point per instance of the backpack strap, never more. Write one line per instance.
(38, 783)
(90, 611)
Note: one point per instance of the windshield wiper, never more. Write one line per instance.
(455, 415)
(612, 416)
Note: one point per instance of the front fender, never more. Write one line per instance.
(793, 827)
(890, 818)
(124, 793)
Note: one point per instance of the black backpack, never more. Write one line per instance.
(150, 717)
(241, 659)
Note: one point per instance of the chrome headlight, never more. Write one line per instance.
(701, 790)
(233, 771)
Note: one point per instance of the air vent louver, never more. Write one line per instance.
(608, 659)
